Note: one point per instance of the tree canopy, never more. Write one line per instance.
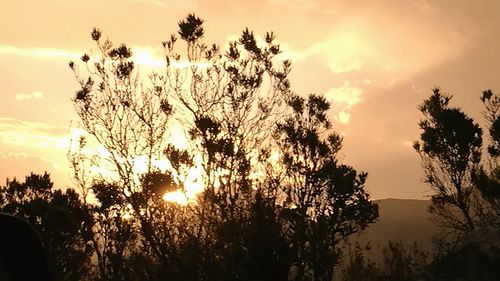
(272, 200)
(463, 178)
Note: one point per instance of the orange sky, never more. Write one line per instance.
(375, 60)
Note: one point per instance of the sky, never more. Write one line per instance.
(376, 61)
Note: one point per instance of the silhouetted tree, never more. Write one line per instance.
(60, 219)
(398, 263)
(450, 149)
(358, 267)
(229, 112)
(113, 235)
(488, 177)
(324, 200)
(476, 258)
(251, 221)
(466, 185)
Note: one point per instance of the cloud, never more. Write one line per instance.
(20, 164)
(40, 53)
(354, 46)
(141, 55)
(33, 135)
(35, 95)
(185, 4)
(344, 50)
(33, 146)
(343, 99)
(24, 156)
(320, 7)
(149, 57)
(403, 38)
(424, 6)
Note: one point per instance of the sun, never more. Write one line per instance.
(192, 184)
(178, 197)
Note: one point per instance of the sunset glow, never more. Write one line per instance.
(258, 140)
(178, 197)
(374, 62)
(192, 182)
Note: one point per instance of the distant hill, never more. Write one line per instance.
(404, 220)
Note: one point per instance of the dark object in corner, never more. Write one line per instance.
(21, 252)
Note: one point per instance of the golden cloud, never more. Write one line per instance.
(35, 95)
(343, 99)
(32, 134)
(40, 53)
